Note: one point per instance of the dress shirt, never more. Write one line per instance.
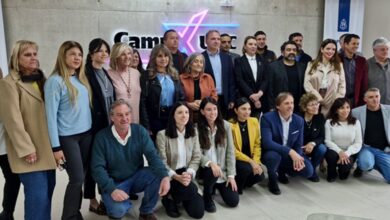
(253, 63)
(285, 128)
(167, 89)
(215, 61)
(118, 138)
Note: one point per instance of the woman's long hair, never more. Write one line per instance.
(152, 67)
(171, 130)
(334, 61)
(203, 126)
(334, 117)
(140, 67)
(62, 70)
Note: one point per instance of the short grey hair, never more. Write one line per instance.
(382, 41)
(372, 89)
(118, 103)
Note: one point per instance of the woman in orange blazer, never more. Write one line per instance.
(196, 84)
(246, 139)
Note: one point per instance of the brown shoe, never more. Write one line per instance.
(150, 216)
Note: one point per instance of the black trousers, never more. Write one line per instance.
(230, 197)
(332, 157)
(11, 186)
(245, 177)
(189, 196)
(76, 150)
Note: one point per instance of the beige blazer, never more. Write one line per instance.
(168, 149)
(336, 85)
(226, 157)
(22, 111)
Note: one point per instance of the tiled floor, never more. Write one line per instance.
(367, 197)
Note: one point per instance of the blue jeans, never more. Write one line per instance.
(142, 181)
(373, 158)
(317, 155)
(276, 162)
(38, 191)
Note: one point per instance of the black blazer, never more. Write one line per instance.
(245, 81)
(228, 82)
(98, 110)
(278, 80)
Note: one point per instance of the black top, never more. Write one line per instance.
(197, 94)
(314, 130)
(245, 138)
(293, 85)
(375, 135)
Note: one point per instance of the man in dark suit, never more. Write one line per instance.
(220, 67)
(282, 141)
(262, 48)
(171, 40)
(250, 73)
(356, 70)
(286, 75)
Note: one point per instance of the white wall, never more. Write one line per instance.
(49, 23)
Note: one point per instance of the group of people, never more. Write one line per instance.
(214, 118)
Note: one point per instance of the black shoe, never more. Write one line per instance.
(283, 178)
(274, 188)
(170, 208)
(133, 196)
(314, 178)
(209, 205)
(6, 216)
(331, 179)
(357, 172)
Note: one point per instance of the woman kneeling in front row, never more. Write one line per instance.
(179, 149)
(218, 160)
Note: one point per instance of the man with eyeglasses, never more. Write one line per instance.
(378, 69)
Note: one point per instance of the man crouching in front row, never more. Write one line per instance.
(117, 165)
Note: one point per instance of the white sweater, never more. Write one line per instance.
(343, 137)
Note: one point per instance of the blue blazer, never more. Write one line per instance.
(272, 133)
(228, 81)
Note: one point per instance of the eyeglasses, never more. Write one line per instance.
(313, 104)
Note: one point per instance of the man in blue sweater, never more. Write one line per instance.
(118, 166)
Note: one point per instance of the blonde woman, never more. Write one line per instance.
(324, 76)
(126, 79)
(68, 98)
(22, 111)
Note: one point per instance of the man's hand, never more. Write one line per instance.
(298, 160)
(165, 185)
(119, 195)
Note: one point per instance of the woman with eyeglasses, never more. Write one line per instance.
(314, 132)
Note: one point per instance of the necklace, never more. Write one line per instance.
(242, 126)
(128, 86)
(309, 123)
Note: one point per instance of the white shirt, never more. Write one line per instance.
(3, 149)
(181, 150)
(118, 138)
(343, 137)
(285, 128)
(253, 63)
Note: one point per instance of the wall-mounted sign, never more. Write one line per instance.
(191, 35)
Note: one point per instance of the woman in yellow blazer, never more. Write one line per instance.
(22, 110)
(246, 138)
